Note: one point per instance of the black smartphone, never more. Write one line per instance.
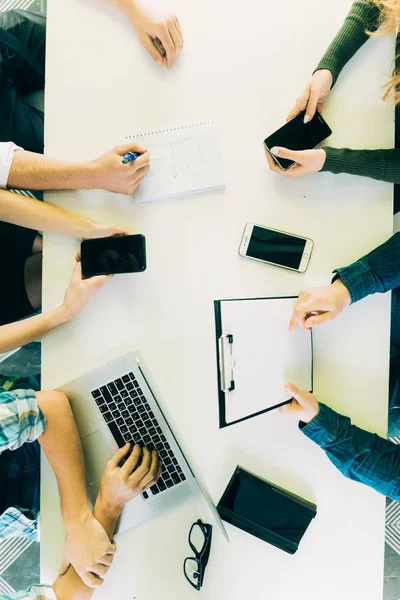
(296, 135)
(113, 255)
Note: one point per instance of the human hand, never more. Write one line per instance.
(313, 96)
(307, 161)
(150, 25)
(120, 484)
(100, 230)
(109, 173)
(319, 305)
(80, 290)
(88, 549)
(304, 406)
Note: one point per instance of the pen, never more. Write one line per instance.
(130, 156)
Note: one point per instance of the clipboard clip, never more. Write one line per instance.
(226, 363)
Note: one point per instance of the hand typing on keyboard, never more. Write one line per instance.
(123, 482)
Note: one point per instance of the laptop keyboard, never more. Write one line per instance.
(130, 419)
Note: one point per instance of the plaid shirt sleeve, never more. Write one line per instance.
(21, 419)
(36, 592)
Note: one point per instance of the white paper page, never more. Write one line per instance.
(265, 353)
(183, 160)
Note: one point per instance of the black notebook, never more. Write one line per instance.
(266, 510)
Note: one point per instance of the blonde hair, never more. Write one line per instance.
(389, 19)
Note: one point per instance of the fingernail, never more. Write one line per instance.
(306, 119)
(160, 62)
(275, 150)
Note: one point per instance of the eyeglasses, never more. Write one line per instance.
(199, 539)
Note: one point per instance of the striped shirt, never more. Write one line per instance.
(21, 421)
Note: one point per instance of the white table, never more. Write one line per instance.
(243, 65)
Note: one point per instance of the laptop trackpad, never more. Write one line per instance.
(96, 454)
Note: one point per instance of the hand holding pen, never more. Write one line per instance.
(121, 169)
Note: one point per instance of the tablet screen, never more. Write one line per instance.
(254, 499)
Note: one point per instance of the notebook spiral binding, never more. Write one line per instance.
(158, 131)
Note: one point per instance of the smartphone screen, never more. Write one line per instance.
(296, 135)
(113, 255)
(276, 247)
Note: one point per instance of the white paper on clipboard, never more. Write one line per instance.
(265, 354)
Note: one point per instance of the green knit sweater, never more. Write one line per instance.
(378, 164)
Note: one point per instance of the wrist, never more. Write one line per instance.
(313, 415)
(58, 316)
(343, 292)
(76, 516)
(107, 507)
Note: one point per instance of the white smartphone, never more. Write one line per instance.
(276, 247)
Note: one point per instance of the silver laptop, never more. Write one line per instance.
(113, 405)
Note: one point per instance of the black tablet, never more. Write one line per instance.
(266, 510)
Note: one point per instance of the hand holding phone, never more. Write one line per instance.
(303, 162)
(297, 136)
(276, 247)
(113, 255)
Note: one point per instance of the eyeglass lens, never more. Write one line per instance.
(197, 538)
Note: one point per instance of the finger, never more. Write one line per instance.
(125, 148)
(169, 46)
(106, 560)
(141, 161)
(300, 311)
(272, 164)
(118, 456)
(78, 256)
(77, 271)
(90, 579)
(155, 54)
(320, 107)
(285, 408)
(132, 461)
(319, 319)
(176, 38)
(300, 104)
(311, 105)
(141, 471)
(112, 548)
(294, 155)
(97, 281)
(138, 175)
(179, 28)
(100, 569)
(148, 479)
(296, 393)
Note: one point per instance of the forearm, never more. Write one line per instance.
(363, 16)
(377, 272)
(38, 172)
(33, 214)
(359, 455)
(383, 165)
(62, 447)
(69, 586)
(23, 332)
(125, 5)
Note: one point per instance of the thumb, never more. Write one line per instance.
(314, 321)
(119, 455)
(296, 393)
(285, 153)
(148, 43)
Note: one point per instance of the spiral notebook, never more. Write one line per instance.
(183, 160)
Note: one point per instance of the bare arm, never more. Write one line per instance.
(34, 214)
(38, 172)
(77, 295)
(87, 544)
(119, 485)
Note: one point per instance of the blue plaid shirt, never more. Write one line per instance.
(358, 454)
(21, 421)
